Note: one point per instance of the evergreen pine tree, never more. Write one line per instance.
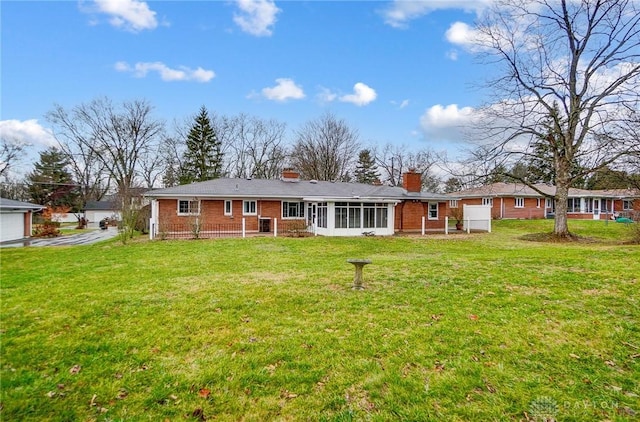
(203, 157)
(366, 168)
(50, 183)
(452, 184)
(541, 166)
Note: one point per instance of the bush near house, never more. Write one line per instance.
(465, 327)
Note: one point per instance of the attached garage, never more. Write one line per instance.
(16, 219)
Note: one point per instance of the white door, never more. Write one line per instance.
(596, 208)
(11, 226)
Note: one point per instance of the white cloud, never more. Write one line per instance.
(446, 122)
(460, 33)
(402, 11)
(132, 15)
(286, 89)
(452, 55)
(362, 95)
(183, 73)
(402, 104)
(27, 132)
(256, 17)
(326, 95)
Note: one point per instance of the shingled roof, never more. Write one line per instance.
(282, 189)
(10, 204)
(501, 189)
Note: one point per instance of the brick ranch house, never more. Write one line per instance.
(512, 200)
(324, 208)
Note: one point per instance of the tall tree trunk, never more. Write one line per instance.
(561, 228)
(563, 182)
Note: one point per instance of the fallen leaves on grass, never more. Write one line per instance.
(75, 369)
(204, 393)
(198, 413)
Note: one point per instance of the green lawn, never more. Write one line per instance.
(469, 327)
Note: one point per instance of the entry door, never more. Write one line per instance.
(596, 208)
(311, 214)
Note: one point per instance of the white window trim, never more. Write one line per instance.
(518, 202)
(244, 207)
(627, 204)
(300, 208)
(538, 202)
(487, 201)
(189, 201)
(230, 202)
(429, 211)
(453, 203)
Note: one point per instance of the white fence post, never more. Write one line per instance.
(446, 225)
(244, 231)
(468, 225)
(275, 227)
(423, 224)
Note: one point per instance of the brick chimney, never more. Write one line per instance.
(412, 181)
(290, 175)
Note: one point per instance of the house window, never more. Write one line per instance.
(627, 204)
(341, 211)
(537, 202)
(355, 212)
(547, 203)
(573, 205)
(249, 208)
(228, 207)
(519, 202)
(321, 219)
(433, 210)
(453, 203)
(188, 207)
(487, 201)
(382, 215)
(292, 209)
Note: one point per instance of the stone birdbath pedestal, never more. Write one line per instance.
(357, 279)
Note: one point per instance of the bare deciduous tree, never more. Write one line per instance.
(395, 160)
(10, 153)
(573, 63)
(255, 147)
(325, 149)
(118, 136)
(89, 172)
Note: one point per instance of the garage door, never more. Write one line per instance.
(11, 226)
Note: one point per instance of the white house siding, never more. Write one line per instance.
(331, 229)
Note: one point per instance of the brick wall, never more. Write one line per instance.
(529, 211)
(212, 212)
(408, 216)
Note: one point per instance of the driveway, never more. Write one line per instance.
(86, 238)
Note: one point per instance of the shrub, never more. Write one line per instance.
(47, 229)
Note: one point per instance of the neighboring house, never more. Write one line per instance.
(323, 208)
(94, 211)
(110, 206)
(512, 200)
(16, 219)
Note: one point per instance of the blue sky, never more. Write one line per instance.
(398, 71)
